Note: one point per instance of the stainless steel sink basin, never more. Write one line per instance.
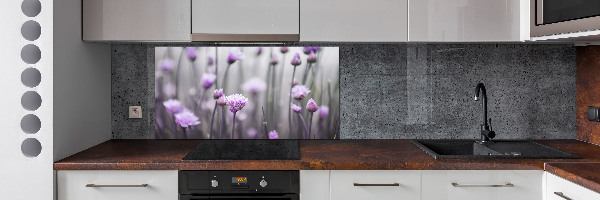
(493, 149)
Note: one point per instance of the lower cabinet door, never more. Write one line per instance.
(314, 185)
(375, 185)
(560, 189)
(482, 184)
(117, 185)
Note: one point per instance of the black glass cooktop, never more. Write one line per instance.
(245, 150)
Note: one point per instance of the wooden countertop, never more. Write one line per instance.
(314, 155)
(581, 173)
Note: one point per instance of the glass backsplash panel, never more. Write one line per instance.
(247, 93)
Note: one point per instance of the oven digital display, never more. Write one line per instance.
(239, 180)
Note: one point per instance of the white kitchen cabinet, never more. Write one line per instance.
(561, 189)
(468, 20)
(136, 20)
(117, 185)
(243, 20)
(379, 184)
(314, 184)
(482, 184)
(354, 20)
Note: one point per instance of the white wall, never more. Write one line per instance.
(75, 92)
(24, 177)
(82, 84)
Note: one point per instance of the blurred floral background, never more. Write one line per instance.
(247, 93)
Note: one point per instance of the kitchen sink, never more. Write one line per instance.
(441, 149)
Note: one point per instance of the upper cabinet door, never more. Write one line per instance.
(245, 20)
(136, 20)
(354, 20)
(468, 20)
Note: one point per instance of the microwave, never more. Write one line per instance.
(564, 17)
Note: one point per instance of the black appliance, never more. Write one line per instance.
(554, 11)
(555, 19)
(234, 185)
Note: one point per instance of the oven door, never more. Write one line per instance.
(236, 197)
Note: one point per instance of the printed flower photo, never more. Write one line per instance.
(247, 93)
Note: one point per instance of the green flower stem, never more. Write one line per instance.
(233, 127)
(225, 79)
(211, 121)
(290, 103)
(303, 125)
(310, 125)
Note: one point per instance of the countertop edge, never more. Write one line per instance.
(578, 179)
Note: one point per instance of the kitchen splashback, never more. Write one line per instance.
(208, 92)
(407, 90)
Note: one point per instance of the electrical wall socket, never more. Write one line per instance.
(135, 112)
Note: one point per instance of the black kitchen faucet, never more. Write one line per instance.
(486, 129)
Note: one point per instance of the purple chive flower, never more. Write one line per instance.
(308, 50)
(299, 92)
(210, 60)
(311, 58)
(284, 50)
(312, 106)
(273, 135)
(274, 59)
(169, 90)
(254, 85)
(323, 111)
(221, 101)
(186, 119)
(207, 80)
(166, 65)
(296, 60)
(236, 102)
(251, 133)
(218, 93)
(296, 108)
(173, 106)
(234, 55)
(259, 51)
(191, 53)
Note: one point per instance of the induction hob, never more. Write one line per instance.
(245, 150)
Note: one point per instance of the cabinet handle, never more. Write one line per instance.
(560, 194)
(94, 185)
(367, 184)
(505, 185)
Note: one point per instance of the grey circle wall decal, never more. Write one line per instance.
(31, 77)
(31, 8)
(31, 54)
(31, 124)
(31, 147)
(31, 100)
(31, 30)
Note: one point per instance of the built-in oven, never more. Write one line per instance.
(233, 185)
(554, 17)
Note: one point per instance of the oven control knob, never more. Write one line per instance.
(214, 183)
(263, 183)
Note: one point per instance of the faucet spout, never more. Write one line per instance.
(481, 88)
(486, 132)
